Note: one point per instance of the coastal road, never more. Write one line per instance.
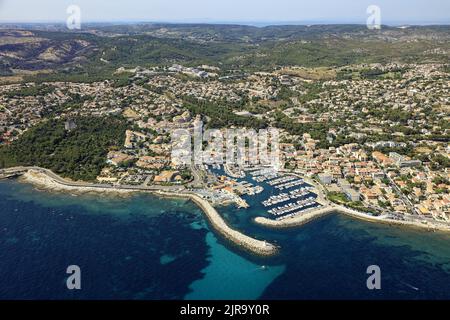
(198, 178)
(402, 195)
(58, 179)
(259, 247)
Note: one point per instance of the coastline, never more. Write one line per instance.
(43, 178)
(295, 221)
(330, 209)
(47, 183)
(52, 182)
(260, 247)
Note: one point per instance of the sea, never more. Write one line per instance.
(147, 248)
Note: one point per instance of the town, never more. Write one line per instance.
(373, 136)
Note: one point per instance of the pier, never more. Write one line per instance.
(52, 181)
(292, 206)
(259, 247)
(283, 197)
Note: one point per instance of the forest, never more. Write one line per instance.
(79, 154)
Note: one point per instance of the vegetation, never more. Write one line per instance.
(440, 162)
(341, 198)
(39, 90)
(79, 154)
(91, 57)
(222, 116)
(337, 197)
(317, 131)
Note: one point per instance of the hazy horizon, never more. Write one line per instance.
(250, 12)
(259, 24)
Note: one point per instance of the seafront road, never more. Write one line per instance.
(49, 179)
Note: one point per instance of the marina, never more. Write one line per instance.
(276, 194)
(290, 184)
(281, 180)
(263, 175)
(283, 197)
(304, 211)
(293, 195)
(288, 208)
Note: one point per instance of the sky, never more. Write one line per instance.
(228, 11)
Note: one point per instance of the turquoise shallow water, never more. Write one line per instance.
(230, 276)
(143, 247)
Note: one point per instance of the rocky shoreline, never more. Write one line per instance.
(43, 179)
(258, 247)
(47, 183)
(330, 208)
(318, 213)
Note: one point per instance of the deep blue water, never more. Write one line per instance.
(142, 247)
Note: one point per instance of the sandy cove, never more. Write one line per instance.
(259, 247)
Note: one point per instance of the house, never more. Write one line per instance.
(382, 158)
(117, 158)
(148, 162)
(131, 137)
(404, 162)
(352, 194)
(70, 125)
(325, 178)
